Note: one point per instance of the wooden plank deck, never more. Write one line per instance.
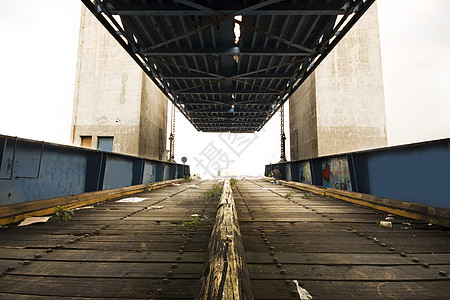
(331, 248)
(335, 249)
(114, 250)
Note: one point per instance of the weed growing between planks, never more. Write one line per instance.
(233, 182)
(289, 195)
(307, 195)
(195, 220)
(63, 213)
(214, 192)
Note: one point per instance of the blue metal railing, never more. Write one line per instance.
(417, 173)
(33, 170)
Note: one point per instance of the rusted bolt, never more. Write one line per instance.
(425, 265)
(361, 234)
(383, 245)
(165, 280)
(283, 272)
(86, 234)
(267, 243)
(178, 257)
(37, 256)
(271, 248)
(159, 291)
(294, 293)
(265, 240)
(169, 273)
(442, 273)
(27, 262)
(278, 265)
(182, 247)
(48, 250)
(185, 242)
(287, 282)
(180, 251)
(415, 259)
(403, 254)
(58, 246)
(10, 268)
(376, 241)
(272, 253)
(174, 266)
(392, 249)
(188, 239)
(369, 237)
(275, 259)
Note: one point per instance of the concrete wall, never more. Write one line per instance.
(153, 120)
(349, 97)
(110, 92)
(303, 119)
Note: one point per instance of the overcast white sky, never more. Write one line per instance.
(38, 60)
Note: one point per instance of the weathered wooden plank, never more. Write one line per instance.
(106, 269)
(17, 212)
(225, 274)
(353, 259)
(98, 288)
(358, 290)
(349, 272)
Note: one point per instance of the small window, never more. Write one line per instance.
(105, 143)
(86, 141)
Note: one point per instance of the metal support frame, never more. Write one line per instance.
(283, 136)
(185, 48)
(172, 135)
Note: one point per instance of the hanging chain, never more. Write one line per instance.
(172, 135)
(283, 136)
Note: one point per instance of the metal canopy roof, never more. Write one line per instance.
(219, 81)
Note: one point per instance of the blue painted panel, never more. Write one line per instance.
(288, 172)
(62, 173)
(7, 159)
(118, 172)
(149, 172)
(166, 172)
(420, 175)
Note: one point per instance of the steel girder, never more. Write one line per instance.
(218, 81)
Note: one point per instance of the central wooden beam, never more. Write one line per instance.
(225, 275)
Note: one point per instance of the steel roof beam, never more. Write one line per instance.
(261, 12)
(235, 51)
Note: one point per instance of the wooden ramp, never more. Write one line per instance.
(336, 250)
(324, 247)
(114, 250)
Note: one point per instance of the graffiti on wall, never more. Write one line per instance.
(305, 172)
(335, 173)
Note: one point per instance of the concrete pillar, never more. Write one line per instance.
(114, 98)
(340, 107)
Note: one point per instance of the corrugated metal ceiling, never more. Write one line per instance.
(228, 65)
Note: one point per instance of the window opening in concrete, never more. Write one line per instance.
(86, 141)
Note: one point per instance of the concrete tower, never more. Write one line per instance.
(116, 106)
(340, 107)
